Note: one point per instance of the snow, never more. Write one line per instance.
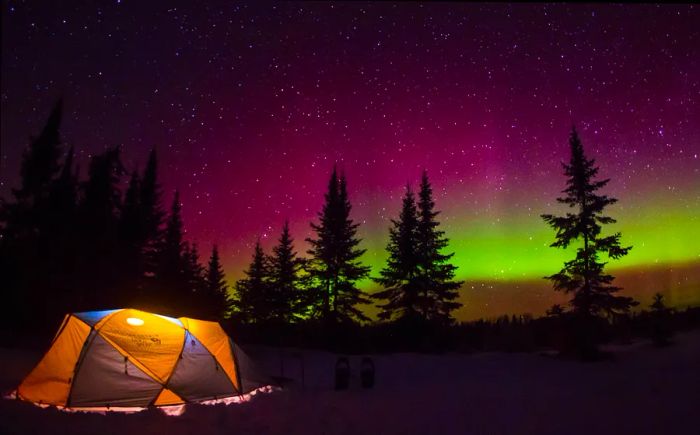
(643, 390)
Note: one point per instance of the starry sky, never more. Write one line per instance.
(250, 105)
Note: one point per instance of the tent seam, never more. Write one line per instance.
(105, 319)
(238, 366)
(66, 318)
(79, 362)
(172, 372)
(217, 360)
(129, 356)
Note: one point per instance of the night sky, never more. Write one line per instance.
(250, 105)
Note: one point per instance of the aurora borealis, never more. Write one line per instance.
(250, 106)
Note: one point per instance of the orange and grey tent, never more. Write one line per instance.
(131, 358)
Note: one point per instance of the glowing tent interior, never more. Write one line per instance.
(133, 359)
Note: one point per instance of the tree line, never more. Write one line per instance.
(68, 244)
(418, 280)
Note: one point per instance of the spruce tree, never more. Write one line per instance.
(438, 291)
(151, 214)
(285, 278)
(251, 303)
(60, 230)
(658, 306)
(322, 262)
(168, 288)
(584, 276)
(217, 290)
(61, 219)
(130, 242)
(334, 265)
(172, 246)
(63, 201)
(400, 276)
(64, 192)
(27, 217)
(34, 227)
(193, 291)
(102, 196)
(40, 162)
(660, 321)
(98, 217)
(130, 228)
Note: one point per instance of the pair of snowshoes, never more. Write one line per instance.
(342, 373)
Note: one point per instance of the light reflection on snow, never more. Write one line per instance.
(171, 410)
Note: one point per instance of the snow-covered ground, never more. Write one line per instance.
(643, 391)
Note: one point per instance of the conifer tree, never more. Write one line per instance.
(40, 162)
(252, 301)
(334, 265)
(25, 218)
(60, 221)
(285, 278)
(102, 196)
(99, 231)
(438, 291)
(584, 276)
(64, 193)
(130, 260)
(151, 214)
(60, 231)
(218, 300)
(43, 203)
(400, 276)
(193, 295)
(61, 218)
(658, 306)
(129, 218)
(172, 245)
(168, 288)
(660, 321)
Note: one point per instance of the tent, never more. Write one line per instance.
(133, 359)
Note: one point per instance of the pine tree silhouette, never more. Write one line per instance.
(129, 218)
(584, 276)
(661, 330)
(438, 291)
(658, 305)
(169, 290)
(400, 277)
(102, 196)
(152, 214)
(33, 277)
(172, 246)
(67, 245)
(131, 241)
(218, 300)
(64, 194)
(98, 220)
(251, 303)
(40, 161)
(26, 218)
(285, 279)
(334, 265)
(61, 229)
(194, 301)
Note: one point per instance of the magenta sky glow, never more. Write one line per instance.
(250, 105)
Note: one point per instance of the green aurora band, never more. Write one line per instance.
(503, 256)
